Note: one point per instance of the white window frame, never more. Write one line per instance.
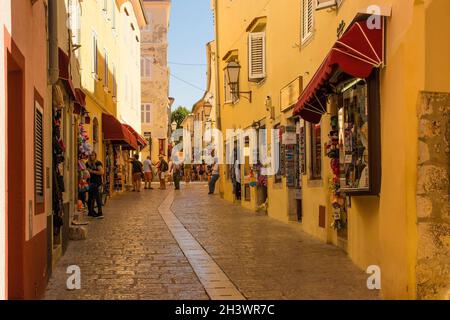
(146, 62)
(114, 85)
(262, 75)
(304, 33)
(106, 70)
(113, 15)
(146, 113)
(95, 54)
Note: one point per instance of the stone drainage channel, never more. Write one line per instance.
(216, 283)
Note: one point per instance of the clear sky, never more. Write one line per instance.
(191, 27)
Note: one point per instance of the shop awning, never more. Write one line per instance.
(118, 133)
(80, 101)
(64, 63)
(356, 53)
(140, 140)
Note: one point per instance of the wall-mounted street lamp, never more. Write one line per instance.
(207, 108)
(233, 69)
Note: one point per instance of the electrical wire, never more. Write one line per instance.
(188, 64)
(181, 79)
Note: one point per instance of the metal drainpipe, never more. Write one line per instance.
(53, 66)
(217, 89)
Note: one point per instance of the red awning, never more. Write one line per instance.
(80, 101)
(117, 133)
(64, 62)
(140, 140)
(356, 53)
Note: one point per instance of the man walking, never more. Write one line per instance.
(137, 173)
(163, 168)
(177, 176)
(148, 173)
(215, 175)
(96, 172)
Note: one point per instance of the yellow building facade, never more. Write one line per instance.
(290, 40)
(110, 70)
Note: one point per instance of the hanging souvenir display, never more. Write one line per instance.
(261, 179)
(84, 150)
(338, 199)
(58, 165)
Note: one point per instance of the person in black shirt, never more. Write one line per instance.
(96, 172)
(137, 173)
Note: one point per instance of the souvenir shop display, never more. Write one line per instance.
(117, 168)
(261, 179)
(108, 171)
(58, 179)
(302, 149)
(84, 150)
(338, 199)
(353, 133)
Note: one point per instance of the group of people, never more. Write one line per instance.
(172, 172)
(91, 182)
(144, 171)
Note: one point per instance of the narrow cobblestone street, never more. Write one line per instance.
(187, 245)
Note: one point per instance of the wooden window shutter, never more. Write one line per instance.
(308, 19)
(39, 153)
(257, 55)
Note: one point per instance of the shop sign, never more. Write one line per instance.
(290, 93)
(289, 138)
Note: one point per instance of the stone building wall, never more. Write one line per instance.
(433, 203)
(155, 89)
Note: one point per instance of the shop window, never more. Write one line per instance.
(316, 151)
(359, 136)
(279, 157)
(39, 152)
(302, 147)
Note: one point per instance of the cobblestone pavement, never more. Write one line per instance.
(132, 253)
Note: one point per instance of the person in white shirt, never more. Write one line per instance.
(148, 173)
(215, 175)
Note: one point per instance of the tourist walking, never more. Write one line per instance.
(215, 175)
(137, 173)
(96, 171)
(163, 167)
(170, 172)
(148, 173)
(177, 174)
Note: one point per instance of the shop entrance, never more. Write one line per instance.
(15, 167)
